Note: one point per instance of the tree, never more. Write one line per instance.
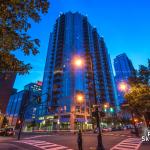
(138, 98)
(15, 16)
(5, 122)
(141, 76)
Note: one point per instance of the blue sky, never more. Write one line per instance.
(124, 24)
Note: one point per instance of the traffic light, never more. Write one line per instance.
(19, 122)
(39, 99)
(111, 109)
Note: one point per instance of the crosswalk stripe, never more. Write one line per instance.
(57, 148)
(51, 145)
(44, 145)
(33, 137)
(128, 144)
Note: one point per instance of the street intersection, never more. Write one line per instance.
(65, 141)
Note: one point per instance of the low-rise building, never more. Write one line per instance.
(23, 105)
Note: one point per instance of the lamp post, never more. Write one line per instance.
(99, 137)
(79, 62)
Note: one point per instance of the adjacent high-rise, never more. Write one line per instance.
(66, 82)
(24, 105)
(124, 69)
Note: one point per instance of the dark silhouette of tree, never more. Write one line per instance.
(5, 122)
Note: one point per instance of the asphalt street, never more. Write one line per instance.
(69, 142)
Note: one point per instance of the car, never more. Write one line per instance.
(106, 129)
(2, 132)
(9, 132)
(118, 128)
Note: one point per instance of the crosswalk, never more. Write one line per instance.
(128, 144)
(44, 145)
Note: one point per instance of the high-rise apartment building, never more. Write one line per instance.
(124, 69)
(77, 59)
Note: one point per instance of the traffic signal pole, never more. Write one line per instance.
(25, 105)
(99, 136)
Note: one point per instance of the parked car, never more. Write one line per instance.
(2, 132)
(9, 132)
(106, 129)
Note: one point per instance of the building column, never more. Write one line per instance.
(72, 118)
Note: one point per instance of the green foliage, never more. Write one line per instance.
(15, 16)
(138, 99)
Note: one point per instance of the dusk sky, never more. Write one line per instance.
(124, 24)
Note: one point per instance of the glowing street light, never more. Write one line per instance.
(78, 62)
(106, 105)
(135, 120)
(123, 86)
(79, 98)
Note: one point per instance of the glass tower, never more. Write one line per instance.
(73, 37)
(124, 69)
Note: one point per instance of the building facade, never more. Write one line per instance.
(24, 103)
(74, 38)
(6, 89)
(123, 69)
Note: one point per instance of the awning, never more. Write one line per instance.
(64, 120)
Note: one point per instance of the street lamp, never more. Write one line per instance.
(99, 137)
(77, 62)
(79, 98)
(123, 86)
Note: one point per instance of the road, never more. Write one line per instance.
(111, 141)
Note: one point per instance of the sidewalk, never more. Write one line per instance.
(145, 146)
